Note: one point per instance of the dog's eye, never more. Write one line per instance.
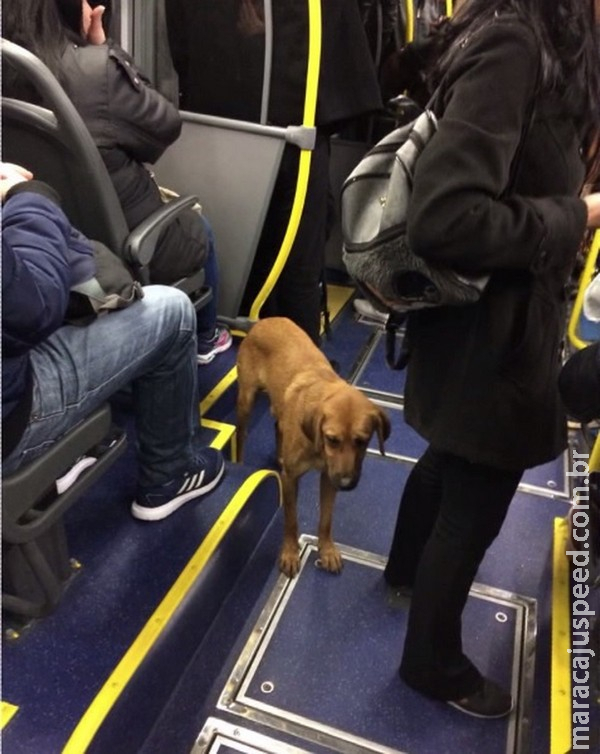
(333, 441)
(361, 442)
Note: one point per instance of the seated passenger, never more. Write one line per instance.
(579, 379)
(55, 375)
(579, 383)
(130, 122)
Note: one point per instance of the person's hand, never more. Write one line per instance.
(593, 207)
(250, 21)
(95, 33)
(10, 175)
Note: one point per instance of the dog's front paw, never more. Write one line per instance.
(289, 560)
(330, 558)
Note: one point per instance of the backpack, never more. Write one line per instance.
(112, 287)
(374, 205)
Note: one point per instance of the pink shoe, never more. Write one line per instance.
(208, 349)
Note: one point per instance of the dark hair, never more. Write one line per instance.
(569, 50)
(44, 27)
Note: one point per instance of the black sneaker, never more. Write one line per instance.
(490, 701)
(156, 503)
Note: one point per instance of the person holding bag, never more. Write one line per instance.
(482, 378)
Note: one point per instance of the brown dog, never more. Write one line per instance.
(321, 423)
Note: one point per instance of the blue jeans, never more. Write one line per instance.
(207, 316)
(151, 346)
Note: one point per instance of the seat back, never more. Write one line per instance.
(55, 144)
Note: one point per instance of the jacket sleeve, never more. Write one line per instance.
(36, 275)
(144, 122)
(460, 213)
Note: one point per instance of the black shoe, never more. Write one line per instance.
(489, 701)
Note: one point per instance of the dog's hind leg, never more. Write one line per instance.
(245, 401)
(329, 555)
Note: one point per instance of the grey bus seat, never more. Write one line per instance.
(54, 143)
(35, 558)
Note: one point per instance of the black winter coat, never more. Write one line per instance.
(132, 124)
(347, 83)
(482, 379)
(221, 69)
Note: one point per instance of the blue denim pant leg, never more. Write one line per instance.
(150, 346)
(207, 316)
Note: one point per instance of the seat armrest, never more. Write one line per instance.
(141, 242)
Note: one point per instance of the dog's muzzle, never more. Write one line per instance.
(345, 483)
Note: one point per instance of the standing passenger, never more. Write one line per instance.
(218, 51)
(130, 122)
(482, 379)
(347, 89)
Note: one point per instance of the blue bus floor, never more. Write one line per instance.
(324, 674)
(334, 641)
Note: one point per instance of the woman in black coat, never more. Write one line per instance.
(482, 379)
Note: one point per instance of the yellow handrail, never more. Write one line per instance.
(410, 21)
(310, 108)
(573, 329)
(595, 455)
(586, 278)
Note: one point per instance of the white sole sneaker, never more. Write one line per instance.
(148, 513)
(368, 311)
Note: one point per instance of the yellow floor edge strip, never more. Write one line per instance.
(337, 297)
(7, 712)
(108, 695)
(211, 398)
(560, 680)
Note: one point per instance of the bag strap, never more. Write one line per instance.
(393, 324)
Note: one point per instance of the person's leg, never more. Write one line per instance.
(273, 231)
(152, 345)
(417, 515)
(474, 503)
(298, 292)
(212, 338)
(207, 316)
(181, 249)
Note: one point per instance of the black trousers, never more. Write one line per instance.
(297, 293)
(451, 511)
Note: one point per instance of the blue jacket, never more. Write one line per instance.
(42, 257)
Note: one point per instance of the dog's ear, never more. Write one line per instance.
(311, 426)
(383, 427)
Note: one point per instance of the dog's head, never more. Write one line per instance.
(340, 429)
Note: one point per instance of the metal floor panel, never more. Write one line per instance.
(315, 644)
(220, 737)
